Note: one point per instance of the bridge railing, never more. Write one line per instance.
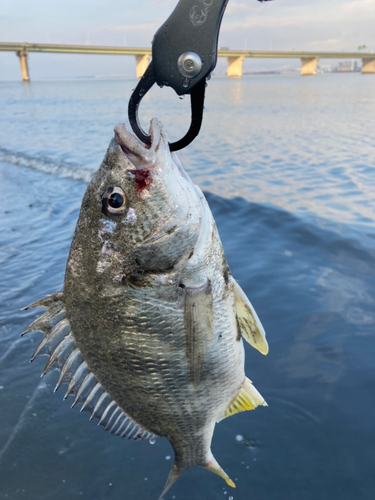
(235, 58)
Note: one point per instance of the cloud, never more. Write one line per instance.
(326, 43)
(237, 14)
(135, 28)
(171, 4)
(361, 7)
(304, 24)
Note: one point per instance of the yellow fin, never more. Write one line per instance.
(248, 398)
(214, 467)
(249, 324)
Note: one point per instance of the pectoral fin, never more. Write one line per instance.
(248, 398)
(250, 326)
(198, 318)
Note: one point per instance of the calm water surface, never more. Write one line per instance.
(288, 167)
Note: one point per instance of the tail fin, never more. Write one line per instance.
(172, 478)
(214, 467)
(211, 465)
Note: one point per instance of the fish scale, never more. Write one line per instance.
(151, 342)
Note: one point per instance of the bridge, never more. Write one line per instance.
(235, 58)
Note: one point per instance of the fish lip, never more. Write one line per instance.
(157, 134)
(139, 154)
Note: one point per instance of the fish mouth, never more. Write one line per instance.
(139, 154)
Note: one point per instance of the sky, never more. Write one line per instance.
(340, 25)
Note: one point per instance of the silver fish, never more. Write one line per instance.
(148, 330)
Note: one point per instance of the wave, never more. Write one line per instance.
(320, 215)
(47, 165)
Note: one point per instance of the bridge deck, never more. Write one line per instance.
(96, 49)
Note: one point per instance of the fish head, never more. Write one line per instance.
(140, 213)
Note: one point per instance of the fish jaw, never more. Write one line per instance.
(139, 154)
(148, 159)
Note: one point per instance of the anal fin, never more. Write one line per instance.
(247, 398)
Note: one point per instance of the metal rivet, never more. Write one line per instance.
(189, 64)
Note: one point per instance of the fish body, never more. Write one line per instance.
(150, 321)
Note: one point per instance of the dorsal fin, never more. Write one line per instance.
(45, 322)
(249, 324)
(58, 343)
(52, 339)
(60, 354)
(247, 398)
(46, 301)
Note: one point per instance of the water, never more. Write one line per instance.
(288, 167)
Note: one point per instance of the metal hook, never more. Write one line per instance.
(197, 106)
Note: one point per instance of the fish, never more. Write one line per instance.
(148, 329)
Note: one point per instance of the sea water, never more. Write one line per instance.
(287, 165)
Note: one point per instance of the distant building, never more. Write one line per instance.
(325, 68)
(347, 66)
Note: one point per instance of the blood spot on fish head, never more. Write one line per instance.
(142, 179)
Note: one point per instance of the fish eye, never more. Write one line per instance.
(114, 201)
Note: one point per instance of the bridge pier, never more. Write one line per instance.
(368, 66)
(22, 54)
(142, 63)
(309, 66)
(235, 67)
